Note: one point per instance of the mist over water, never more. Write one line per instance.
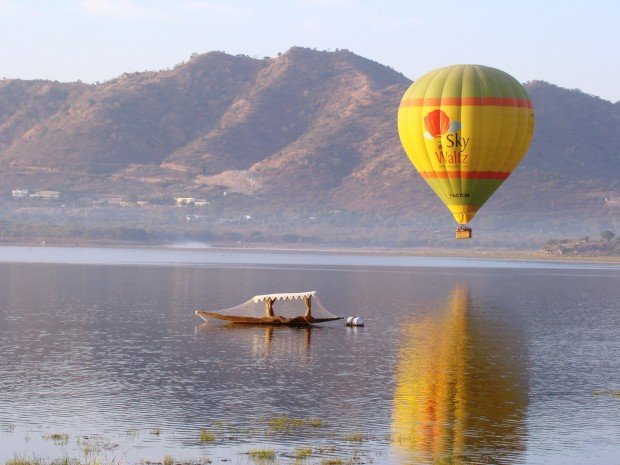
(496, 364)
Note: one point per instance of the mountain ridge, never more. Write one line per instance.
(305, 130)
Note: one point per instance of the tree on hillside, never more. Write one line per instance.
(608, 235)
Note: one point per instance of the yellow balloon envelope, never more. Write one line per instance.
(465, 128)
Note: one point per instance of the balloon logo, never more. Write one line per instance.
(437, 123)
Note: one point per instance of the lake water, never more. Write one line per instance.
(477, 361)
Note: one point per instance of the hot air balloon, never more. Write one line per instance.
(465, 128)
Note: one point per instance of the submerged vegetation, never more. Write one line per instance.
(22, 460)
(321, 444)
(262, 454)
(60, 439)
(459, 460)
(607, 392)
(290, 425)
(303, 453)
(355, 437)
(207, 436)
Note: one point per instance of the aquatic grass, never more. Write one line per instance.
(229, 430)
(66, 461)
(355, 437)
(459, 460)
(168, 460)
(91, 446)
(155, 431)
(336, 461)
(399, 438)
(8, 428)
(132, 434)
(606, 392)
(285, 424)
(289, 425)
(60, 439)
(19, 460)
(207, 436)
(302, 453)
(23, 460)
(318, 423)
(262, 455)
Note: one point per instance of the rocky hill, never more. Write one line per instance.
(305, 131)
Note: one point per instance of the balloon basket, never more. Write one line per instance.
(463, 232)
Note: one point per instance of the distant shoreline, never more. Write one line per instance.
(481, 254)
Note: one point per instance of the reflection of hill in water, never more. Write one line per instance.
(460, 389)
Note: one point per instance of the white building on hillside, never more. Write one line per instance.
(19, 193)
(183, 201)
(46, 195)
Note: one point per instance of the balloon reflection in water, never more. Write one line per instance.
(461, 390)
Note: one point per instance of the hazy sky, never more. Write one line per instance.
(575, 44)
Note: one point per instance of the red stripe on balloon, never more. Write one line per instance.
(464, 175)
(467, 101)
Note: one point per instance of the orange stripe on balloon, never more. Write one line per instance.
(466, 101)
(464, 175)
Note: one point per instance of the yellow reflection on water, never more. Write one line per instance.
(460, 389)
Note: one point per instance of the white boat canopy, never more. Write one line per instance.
(288, 296)
(299, 307)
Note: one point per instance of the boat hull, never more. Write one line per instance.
(265, 320)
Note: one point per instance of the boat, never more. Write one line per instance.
(294, 309)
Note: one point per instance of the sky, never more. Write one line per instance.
(573, 44)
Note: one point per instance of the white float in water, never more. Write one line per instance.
(355, 321)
